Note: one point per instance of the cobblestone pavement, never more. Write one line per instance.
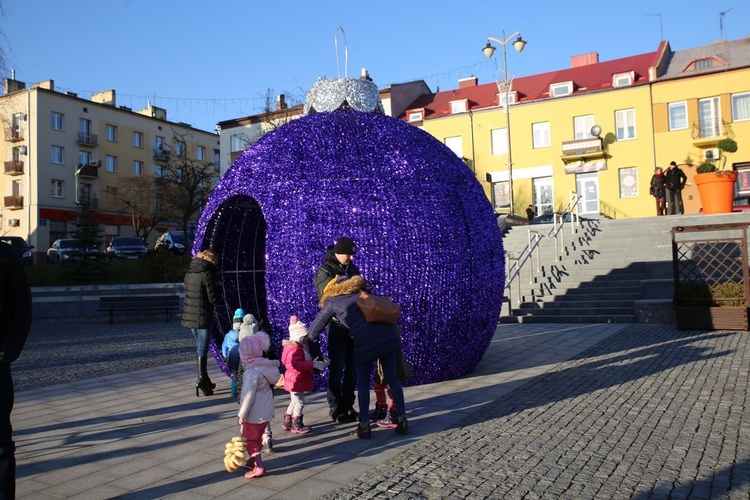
(65, 351)
(647, 413)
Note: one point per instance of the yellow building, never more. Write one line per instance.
(55, 140)
(595, 129)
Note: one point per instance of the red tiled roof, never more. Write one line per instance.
(589, 78)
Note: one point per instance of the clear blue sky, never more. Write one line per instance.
(209, 61)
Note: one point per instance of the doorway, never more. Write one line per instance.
(587, 186)
(543, 195)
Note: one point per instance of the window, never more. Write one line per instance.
(455, 144)
(541, 135)
(512, 98)
(709, 117)
(178, 176)
(111, 164)
(560, 89)
(625, 124)
(703, 63)
(111, 133)
(237, 143)
(217, 160)
(57, 121)
(200, 153)
(84, 157)
(179, 148)
(459, 106)
(159, 143)
(741, 107)
(137, 167)
(58, 155)
(623, 79)
(499, 141)
(416, 116)
(582, 126)
(678, 116)
(138, 139)
(58, 188)
(159, 171)
(84, 131)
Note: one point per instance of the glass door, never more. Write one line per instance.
(543, 199)
(587, 186)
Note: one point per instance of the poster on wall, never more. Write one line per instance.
(628, 182)
(501, 195)
(743, 181)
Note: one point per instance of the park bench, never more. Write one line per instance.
(140, 304)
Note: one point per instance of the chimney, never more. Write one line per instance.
(280, 102)
(364, 75)
(108, 97)
(465, 83)
(584, 60)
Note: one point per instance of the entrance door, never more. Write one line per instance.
(587, 186)
(543, 199)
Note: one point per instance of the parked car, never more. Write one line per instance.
(174, 242)
(66, 249)
(549, 218)
(23, 250)
(126, 247)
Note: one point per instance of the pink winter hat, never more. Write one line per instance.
(253, 346)
(297, 329)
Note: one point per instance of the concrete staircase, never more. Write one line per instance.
(606, 271)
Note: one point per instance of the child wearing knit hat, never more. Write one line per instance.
(256, 400)
(298, 376)
(230, 348)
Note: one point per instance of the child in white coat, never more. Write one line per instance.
(256, 400)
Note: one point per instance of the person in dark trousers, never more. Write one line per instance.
(342, 374)
(201, 293)
(658, 191)
(676, 179)
(15, 323)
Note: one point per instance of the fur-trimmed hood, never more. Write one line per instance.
(337, 287)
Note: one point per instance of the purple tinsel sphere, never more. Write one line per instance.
(425, 232)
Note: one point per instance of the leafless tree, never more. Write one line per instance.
(140, 197)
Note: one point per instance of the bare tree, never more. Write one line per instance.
(189, 182)
(140, 197)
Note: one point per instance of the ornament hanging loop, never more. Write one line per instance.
(346, 53)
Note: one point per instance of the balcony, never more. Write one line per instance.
(91, 140)
(161, 155)
(14, 167)
(582, 150)
(13, 202)
(90, 202)
(89, 172)
(13, 134)
(708, 133)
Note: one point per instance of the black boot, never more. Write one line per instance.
(362, 431)
(403, 426)
(202, 383)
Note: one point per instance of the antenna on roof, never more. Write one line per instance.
(721, 21)
(661, 31)
(346, 53)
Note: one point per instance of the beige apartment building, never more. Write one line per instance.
(54, 140)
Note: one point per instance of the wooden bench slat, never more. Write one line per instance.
(139, 303)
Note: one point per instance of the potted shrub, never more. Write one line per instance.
(716, 185)
(719, 307)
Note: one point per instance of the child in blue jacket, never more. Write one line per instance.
(230, 348)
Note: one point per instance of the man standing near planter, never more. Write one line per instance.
(676, 179)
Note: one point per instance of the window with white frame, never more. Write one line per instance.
(541, 135)
(58, 155)
(200, 153)
(741, 107)
(57, 188)
(582, 126)
(709, 117)
(625, 124)
(416, 116)
(111, 133)
(512, 98)
(217, 160)
(137, 167)
(57, 121)
(623, 79)
(179, 148)
(237, 143)
(138, 139)
(159, 171)
(459, 106)
(560, 89)
(499, 141)
(159, 143)
(455, 144)
(84, 157)
(678, 115)
(111, 163)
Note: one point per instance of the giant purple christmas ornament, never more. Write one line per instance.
(426, 234)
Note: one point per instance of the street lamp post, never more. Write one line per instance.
(489, 50)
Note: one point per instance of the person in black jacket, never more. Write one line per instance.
(658, 191)
(676, 179)
(201, 293)
(372, 342)
(15, 323)
(338, 262)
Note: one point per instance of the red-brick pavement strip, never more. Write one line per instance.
(651, 412)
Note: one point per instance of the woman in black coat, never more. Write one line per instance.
(201, 293)
(372, 342)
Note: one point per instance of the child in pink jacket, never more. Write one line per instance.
(256, 399)
(298, 376)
